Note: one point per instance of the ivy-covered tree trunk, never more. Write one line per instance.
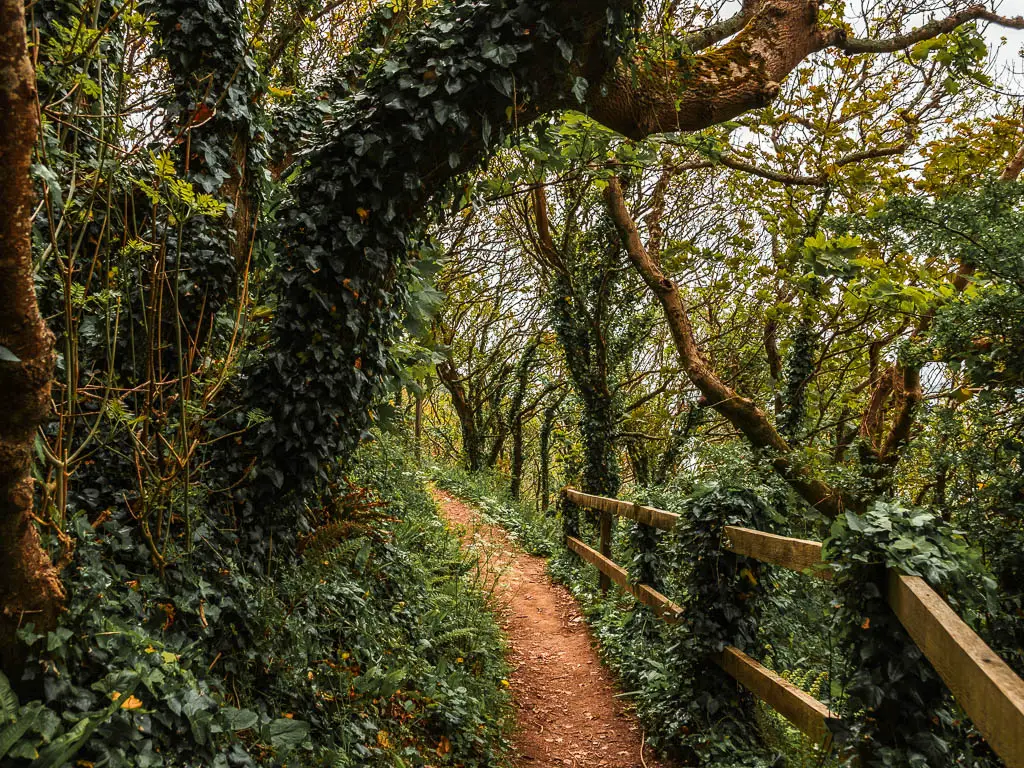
(30, 587)
(213, 113)
(472, 444)
(514, 421)
(437, 107)
(640, 463)
(517, 458)
(546, 428)
(581, 338)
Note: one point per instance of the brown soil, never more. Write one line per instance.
(567, 713)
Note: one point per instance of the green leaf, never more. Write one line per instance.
(579, 89)
(239, 719)
(284, 733)
(57, 638)
(48, 177)
(8, 701)
(7, 356)
(10, 735)
(854, 521)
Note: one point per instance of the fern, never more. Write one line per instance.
(8, 701)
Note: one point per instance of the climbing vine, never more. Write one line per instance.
(899, 712)
(456, 88)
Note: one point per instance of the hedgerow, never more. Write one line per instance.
(378, 649)
(838, 640)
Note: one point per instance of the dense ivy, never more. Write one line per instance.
(901, 713)
(702, 715)
(372, 648)
(213, 114)
(589, 301)
(454, 90)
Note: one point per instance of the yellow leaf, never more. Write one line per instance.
(382, 739)
(128, 703)
(444, 746)
(963, 394)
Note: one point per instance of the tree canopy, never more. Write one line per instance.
(643, 248)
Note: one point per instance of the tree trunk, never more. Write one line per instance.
(517, 458)
(418, 427)
(741, 411)
(471, 447)
(30, 588)
(546, 427)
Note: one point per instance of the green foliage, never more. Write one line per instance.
(535, 533)
(378, 650)
(903, 712)
(779, 734)
(451, 90)
(692, 709)
(962, 52)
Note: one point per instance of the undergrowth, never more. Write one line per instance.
(537, 533)
(713, 723)
(376, 648)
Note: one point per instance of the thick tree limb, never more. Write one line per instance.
(716, 33)
(30, 587)
(1013, 168)
(772, 37)
(740, 411)
(909, 398)
(690, 94)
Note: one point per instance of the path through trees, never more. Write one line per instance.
(567, 712)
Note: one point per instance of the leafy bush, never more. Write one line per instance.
(536, 533)
(377, 650)
(903, 714)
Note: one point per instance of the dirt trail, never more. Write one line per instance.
(566, 711)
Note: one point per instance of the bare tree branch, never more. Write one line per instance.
(927, 31)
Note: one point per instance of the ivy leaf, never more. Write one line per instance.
(285, 733)
(48, 177)
(239, 719)
(579, 89)
(855, 522)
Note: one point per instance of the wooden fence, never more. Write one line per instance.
(982, 683)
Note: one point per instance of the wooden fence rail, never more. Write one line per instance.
(982, 683)
(642, 592)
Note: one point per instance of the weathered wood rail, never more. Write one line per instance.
(984, 685)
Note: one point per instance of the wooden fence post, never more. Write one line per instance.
(645, 539)
(570, 515)
(606, 549)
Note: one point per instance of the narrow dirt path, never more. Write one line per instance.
(567, 712)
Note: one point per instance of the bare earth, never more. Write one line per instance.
(566, 711)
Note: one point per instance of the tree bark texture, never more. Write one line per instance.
(742, 412)
(30, 587)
